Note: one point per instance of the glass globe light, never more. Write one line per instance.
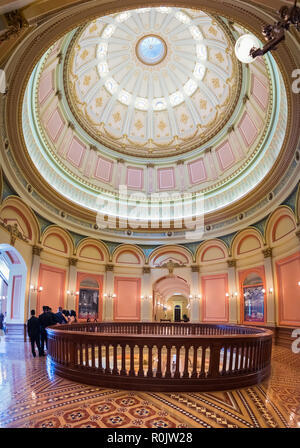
(243, 46)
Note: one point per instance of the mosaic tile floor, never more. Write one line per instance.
(32, 396)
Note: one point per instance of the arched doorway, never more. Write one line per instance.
(13, 275)
(170, 299)
(254, 298)
(88, 302)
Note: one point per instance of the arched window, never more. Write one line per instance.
(88, 299)
(253, 290)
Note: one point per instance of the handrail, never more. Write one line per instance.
(158, 356)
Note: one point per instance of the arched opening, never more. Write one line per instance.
(13, 274)
(254, 295)
(170, 299)
(88, 303)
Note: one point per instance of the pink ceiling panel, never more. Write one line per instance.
(260, 92)
(166, 179)
(103, 170)
(135, 178)
(197, 171)
(225, 156)
(248, 129)
(46, 86)
(55, 125)
(75, 152)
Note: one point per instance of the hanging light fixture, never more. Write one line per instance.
(248, 47)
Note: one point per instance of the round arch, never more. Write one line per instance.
(239, 242)
(132, 248)
(57, 239)
(279, 224)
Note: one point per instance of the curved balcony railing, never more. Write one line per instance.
(161, 356)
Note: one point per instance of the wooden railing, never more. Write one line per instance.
(161, 356)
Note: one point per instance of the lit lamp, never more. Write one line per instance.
(146, 297)
(109, 295)
(73, 293)
(36, 288)
(243, 48)
(298, 283)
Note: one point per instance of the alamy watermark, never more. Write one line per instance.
(296, 343)
(296, 83)
(158, 210)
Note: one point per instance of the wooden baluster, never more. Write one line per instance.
(186, 362)
(115, 357)
(231, 358)
(224, 360)
(107, 367)
(80, 355)
(150, 371)
(123, 355)
(202, 372)
(132, 371)
(194, 372)
(168, 373)
(158, 371)
(86, 355)
(93, 355)
(177, 370)
(141, 359)
(100, 362)
(214, 361)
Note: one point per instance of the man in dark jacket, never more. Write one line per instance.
(47, 318)
(33, 329)
(61, 318)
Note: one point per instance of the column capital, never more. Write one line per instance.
(146, 270)
(180, 162)
(267, 252)
(36, 250)
(231, 263)
(73, 261)
(109, 268)
(298, 234)
(195, 268)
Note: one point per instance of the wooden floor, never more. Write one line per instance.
(32, 396)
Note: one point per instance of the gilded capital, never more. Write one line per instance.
(231, 263)
(109, 268)
(146, 270)
(73, 261)
(298, 234)
(267, 252)
(36, 250)
(195, 268)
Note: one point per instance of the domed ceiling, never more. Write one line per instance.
(155, 81)
(153, 101)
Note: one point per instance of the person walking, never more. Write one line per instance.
(47, 318)
(34, 330)
(1, 325)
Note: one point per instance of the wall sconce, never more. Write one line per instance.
(298, 283)
(3, 297)
(109, 295)
(146, 297)
(36, 288)
(232, 295)
(73, 293)
(263, 291)
(195, 296)
(271, 290)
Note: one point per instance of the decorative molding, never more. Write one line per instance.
(231, 263)
(195, 268)
(298, 234)
(109, 268)
(15, 24)
(14, 232)
(146, 270)
(170, 266)
(73, 261)
(36, 250)
(267, 252)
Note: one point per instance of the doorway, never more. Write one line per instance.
(177, 313)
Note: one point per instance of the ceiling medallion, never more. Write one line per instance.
(151, 49)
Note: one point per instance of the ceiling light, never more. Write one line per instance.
(244, 46)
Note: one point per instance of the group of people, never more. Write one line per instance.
(2, 324)
(36, 326)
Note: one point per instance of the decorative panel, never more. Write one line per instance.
(127, 303)
(288, 275)
(215, 302)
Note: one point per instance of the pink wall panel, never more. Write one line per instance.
(260, 92)
(247, 129)
(215, 302)
(16, 297)
(55, 125)
(166, 179)
(103, 170)
(52, 280)
(46, 86)
(225, 156)
(76, 152)
(127, 304)
(197, 171)
(135, 178)
(288, 275)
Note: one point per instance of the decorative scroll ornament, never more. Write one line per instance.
(14, 232)
(267, 252)
(171, 266)
(15, 24)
